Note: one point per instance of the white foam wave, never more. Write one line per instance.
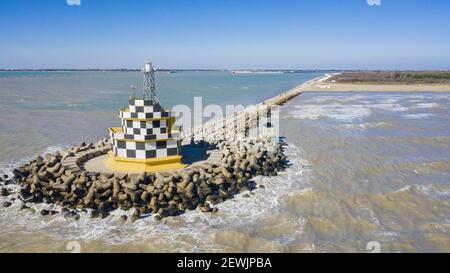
(364, 126)
(313, 110)
(239, 213)
(393, 107)
(406, 188)
(431, 191)
(337, 98)
(388, 99)
(418, 116)
(8, 167)
(333, 111)
(388, 234)
(426, 105)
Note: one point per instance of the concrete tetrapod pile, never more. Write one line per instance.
(57, 179)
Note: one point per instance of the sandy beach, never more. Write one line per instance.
(368, 87)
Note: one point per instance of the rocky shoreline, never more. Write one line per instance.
(51, 181)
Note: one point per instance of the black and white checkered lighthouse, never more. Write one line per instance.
(146, 141)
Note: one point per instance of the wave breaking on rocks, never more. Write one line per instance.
(50, 180)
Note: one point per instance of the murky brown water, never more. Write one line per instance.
(365, 167)
(378, 170)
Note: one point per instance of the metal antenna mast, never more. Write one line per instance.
(149, 82)
(134, 90)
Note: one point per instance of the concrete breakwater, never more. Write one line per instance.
(59, 179)
(239, 124)
(46, 180)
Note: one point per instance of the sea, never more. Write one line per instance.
(369, 172)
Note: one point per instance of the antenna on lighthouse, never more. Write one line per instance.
(149, 82)
(133, 88)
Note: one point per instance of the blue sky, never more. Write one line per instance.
(297, 34)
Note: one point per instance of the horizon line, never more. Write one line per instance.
(203, 69)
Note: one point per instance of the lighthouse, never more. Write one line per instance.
(145, 141)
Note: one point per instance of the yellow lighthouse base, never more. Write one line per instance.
(123, 164)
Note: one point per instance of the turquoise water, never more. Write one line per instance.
(49, 110)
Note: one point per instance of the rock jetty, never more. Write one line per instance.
(58, 179)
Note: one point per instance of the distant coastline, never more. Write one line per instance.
(335, 81)
(385, 81)
(66, 70)
(99, 70)
(168, 70)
